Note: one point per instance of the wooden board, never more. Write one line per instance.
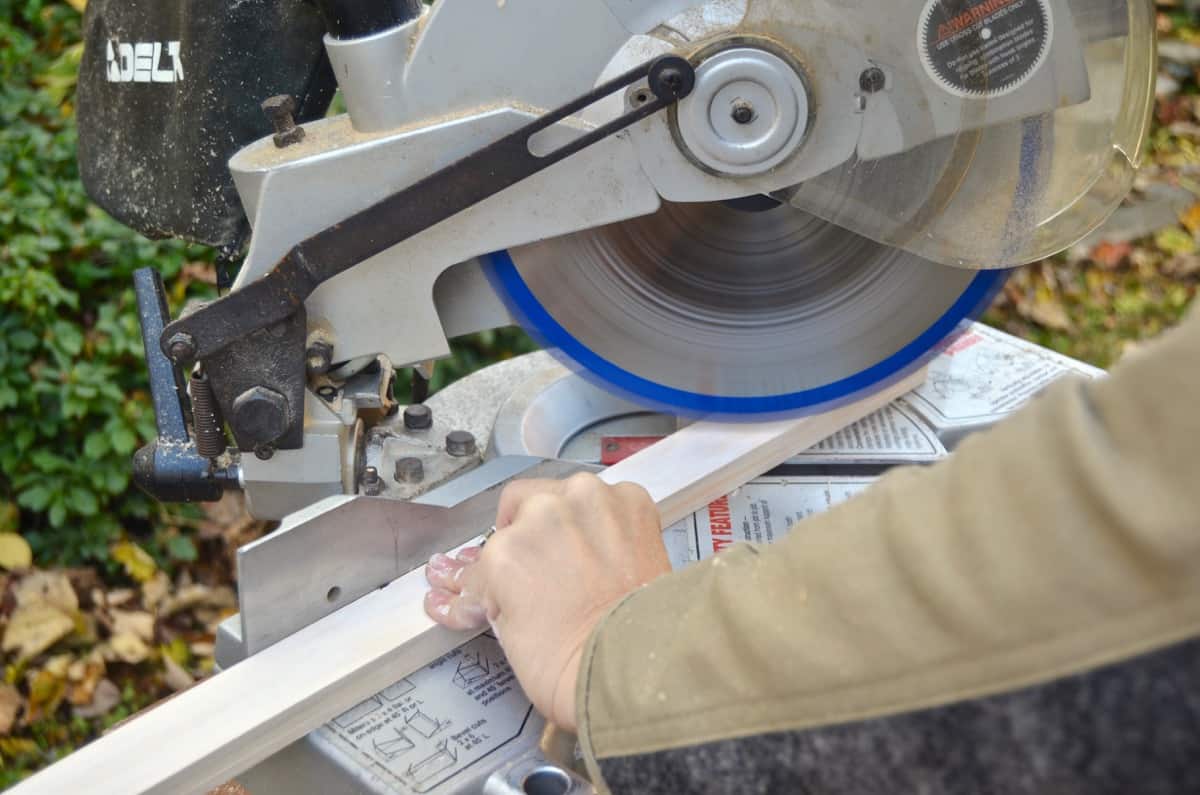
(226, 724)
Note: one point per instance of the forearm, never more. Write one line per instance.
(1064, 540)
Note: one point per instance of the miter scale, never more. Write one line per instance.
(735, 209)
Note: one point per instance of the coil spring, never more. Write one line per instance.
(210, 438)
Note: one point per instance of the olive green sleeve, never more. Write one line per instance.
(1064, 539)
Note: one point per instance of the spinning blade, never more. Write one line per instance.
(705, 308)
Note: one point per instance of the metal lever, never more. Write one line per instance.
(169, 468)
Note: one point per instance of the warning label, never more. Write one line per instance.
(984, 48)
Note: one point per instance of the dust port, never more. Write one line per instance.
(333, 593)
(546, 781)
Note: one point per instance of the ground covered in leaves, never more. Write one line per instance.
(84, 648)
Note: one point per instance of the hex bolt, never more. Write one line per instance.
(280, 110)
(260, 415)
(372, 484)
(409, 470)
(418, 417)
(742, 112)
(318, 358)
(872, 80)
(181, 347)
(460, 444)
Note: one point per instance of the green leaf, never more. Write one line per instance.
(35, 498)
(123, 440)
(181, 548)
(96, 445)
(83, 501)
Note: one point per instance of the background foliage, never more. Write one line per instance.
(73, 392)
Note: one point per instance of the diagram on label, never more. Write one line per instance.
(422, 724)
(391, 747)
(398, 690)
(421, 733)
(441, 760)
(356, 713)
(985, 375)
(471, 668)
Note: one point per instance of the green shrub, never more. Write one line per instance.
(74, 401)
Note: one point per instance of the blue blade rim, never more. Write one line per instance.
(550, 333)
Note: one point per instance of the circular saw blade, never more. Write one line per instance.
(710, 309)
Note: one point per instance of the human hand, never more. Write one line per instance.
(563, 553)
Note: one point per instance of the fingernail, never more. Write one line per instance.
(438, 602)
(469, 555)
(441, 562)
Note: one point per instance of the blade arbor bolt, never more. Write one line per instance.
(743, 112)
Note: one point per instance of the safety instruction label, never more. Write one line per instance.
(984, 48)
(419, 732)
(985, 375)
(762, 511)
(893, 435)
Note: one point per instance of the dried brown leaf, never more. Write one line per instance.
(58, 665)
(83, 688)
(136, 622)
(128, 647)
(10, 705)
(34, 628)
(47, 587)
(155, 590)
(176, 677)
(119, 596)
(46, 692)
(104, 698)
(15, 553)
(198, 595)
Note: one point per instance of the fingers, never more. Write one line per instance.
(517, 492)
(455, 611)
(457, 596)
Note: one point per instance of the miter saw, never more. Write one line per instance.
(737, 209)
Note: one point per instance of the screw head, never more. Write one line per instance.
(279, 106)
(318, 358)
(460, 444)
(671, 78)
(372, 484)
(409, 470)
(742, 112)
(418, 417)
(181, 347)
(872, 80)
(279, 110)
